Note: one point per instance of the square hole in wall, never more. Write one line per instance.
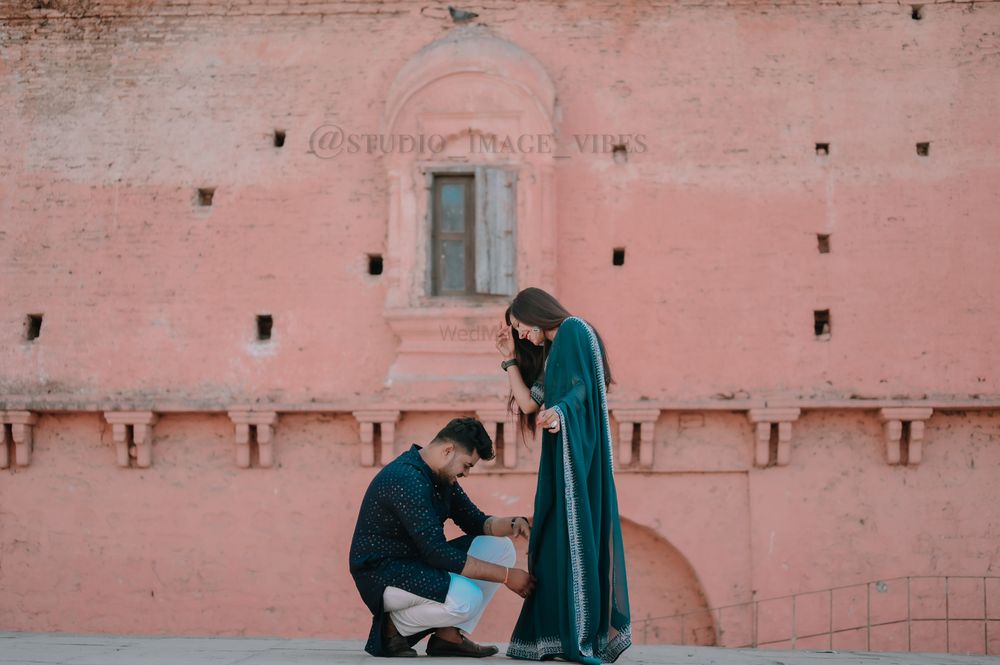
(205, 195)
(917, 12)
(374, 264)
(924, 149)
(279, 138)
(822, 324)
(823, 243)
(822, 149)
(265, 323)
(620, 154)
(618, 256)
(32, 327)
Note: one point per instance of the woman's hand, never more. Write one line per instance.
(549, 419)
(505, 342)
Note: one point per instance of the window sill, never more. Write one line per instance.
(447, 348)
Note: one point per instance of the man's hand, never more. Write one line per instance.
(517, 527)
(520, 582)
(522, 528)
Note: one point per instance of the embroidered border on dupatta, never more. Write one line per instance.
(552, 646)
(581, 605)
(544, 646)
(608, 652)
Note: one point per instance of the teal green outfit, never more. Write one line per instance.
(579, 609)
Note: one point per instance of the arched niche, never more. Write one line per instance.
(471, 51)
(475, 105)
(670, 605)
(666, 599)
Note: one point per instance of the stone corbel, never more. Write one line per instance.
(628, 421)
(21, 423)
(765, 420)
(894, 420)
(262, 422)
(507, 452)
(140, 447)
(386, 420)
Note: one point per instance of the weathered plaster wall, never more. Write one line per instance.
(116, 113)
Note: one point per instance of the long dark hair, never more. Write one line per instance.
(536, 307)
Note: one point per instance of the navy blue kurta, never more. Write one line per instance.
(399, 538)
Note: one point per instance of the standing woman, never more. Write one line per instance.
(559, 376)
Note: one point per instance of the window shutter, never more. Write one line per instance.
(496, 208)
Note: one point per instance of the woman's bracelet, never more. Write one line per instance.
(506, 575)
(510, 362)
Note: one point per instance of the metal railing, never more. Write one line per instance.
(946, 614)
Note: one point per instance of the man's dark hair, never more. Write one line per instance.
(468, 434)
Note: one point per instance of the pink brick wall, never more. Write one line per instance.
(116, 112)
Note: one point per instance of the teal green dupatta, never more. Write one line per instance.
(579, 610)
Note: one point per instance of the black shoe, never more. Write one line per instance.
(397, 647)
(438, 647)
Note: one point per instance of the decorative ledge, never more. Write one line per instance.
(132, 432)
(904, 427)
(262, 423)
(904, 434)
(629, 420)
(465, 402)
(767, 421)
(385, 423)
(21, 423)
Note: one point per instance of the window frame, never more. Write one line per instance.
(480, 244)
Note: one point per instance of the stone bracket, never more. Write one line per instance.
(766, 420)
(262, 423)
(904, 431)
(386, 421)
(506, 449)
(132, 432)
(21, 434)
(628, 421)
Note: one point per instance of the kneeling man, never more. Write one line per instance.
(415, 581)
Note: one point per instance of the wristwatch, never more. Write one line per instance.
(512, 362)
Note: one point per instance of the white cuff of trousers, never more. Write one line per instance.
(466, 599)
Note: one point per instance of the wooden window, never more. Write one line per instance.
(472, 235)
(453, 235)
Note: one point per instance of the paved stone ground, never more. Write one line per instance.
(119, 650)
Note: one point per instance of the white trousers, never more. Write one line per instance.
(466, 600)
